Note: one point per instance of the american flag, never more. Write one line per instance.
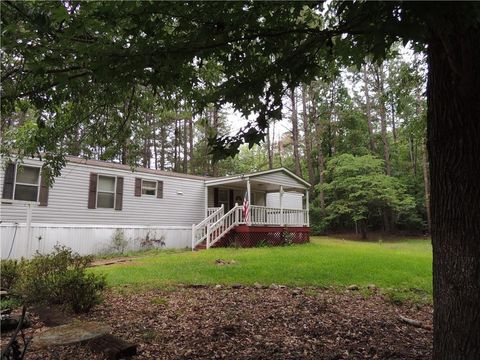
(246, 208)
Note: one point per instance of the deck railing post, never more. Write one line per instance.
(193, 237)
(208, 236)
(282, 220)
(307, 206)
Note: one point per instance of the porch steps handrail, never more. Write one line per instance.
(221, 227)
(199, 231)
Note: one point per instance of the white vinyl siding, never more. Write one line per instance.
(68, 200)
(280, 178)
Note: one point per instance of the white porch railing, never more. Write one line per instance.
(263, 215)
(199, 231)
(211, 210)
(218, 224)
(220, 228)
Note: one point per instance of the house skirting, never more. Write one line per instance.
(18, 241)
(253, 236)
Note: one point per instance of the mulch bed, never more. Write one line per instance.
(256, 323)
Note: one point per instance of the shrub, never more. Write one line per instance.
(10, 273)
(61, 278)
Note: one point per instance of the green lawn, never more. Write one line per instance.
(393, 266)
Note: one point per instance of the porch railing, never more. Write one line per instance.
(217, 224)
(264, 215)
(211, 210)
(199, 231)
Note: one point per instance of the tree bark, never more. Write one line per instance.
(383, 120)
(426, 182)
(163, 140)
(453, 135)
(185, 145)
(294, 119)
(320, 158)
(215, 124)
(269, 150)
(368, 109)
(307, 136)
(190, 137)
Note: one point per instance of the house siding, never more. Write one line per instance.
(279, 178)
(290, 200)
(182, 203)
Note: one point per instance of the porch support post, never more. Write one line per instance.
(307, 207)
(282, 222)
(206, 201)
(249, 198)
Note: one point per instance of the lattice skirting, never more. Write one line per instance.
(245, 236)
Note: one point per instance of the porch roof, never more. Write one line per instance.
(271, 180)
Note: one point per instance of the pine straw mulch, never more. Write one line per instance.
(257, 323)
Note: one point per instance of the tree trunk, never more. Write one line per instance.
(185, 145)
(175, 147)
(190, 137)
(307, 136)
(413, 158)
(296, 154)
(215, 124)
(426, 182)
(383, 120)
(163, 140)
(453, 130)
(269, 150)
(394, 129)
(368, 109)
(320, 158)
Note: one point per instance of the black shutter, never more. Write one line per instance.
(92, 191)
(215, 197)
(43, 196)
(8, 181)
(119, 194)
(160, 189)
(138, 187)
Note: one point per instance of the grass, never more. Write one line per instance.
(403, 269)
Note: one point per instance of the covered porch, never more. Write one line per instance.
(277, 203)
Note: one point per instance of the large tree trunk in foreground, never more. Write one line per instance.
(454, 153)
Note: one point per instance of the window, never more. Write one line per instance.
(149, 187)
(26, 183)
(106, 192)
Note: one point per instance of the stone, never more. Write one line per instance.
(274, 287)
(218, 286)
(257, 286)
(296, 292)
(75, 332)
(282, 287)
(353, 288)
(371, 287)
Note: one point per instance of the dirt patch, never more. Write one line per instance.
(253, 323)
(126, 261)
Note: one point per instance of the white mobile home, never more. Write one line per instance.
(92, 199)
